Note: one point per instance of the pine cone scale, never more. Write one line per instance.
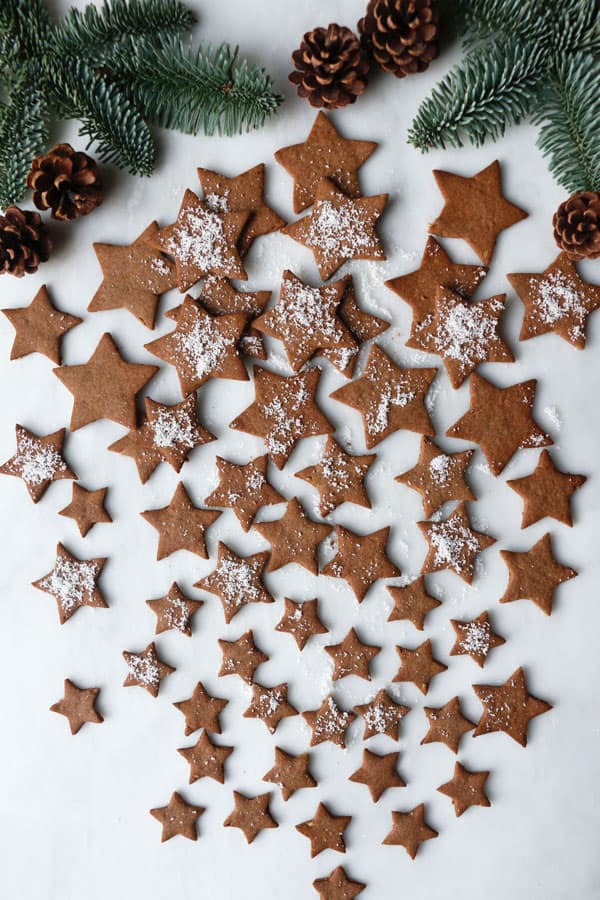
(576, 225)
(401, 35)
(66, 181)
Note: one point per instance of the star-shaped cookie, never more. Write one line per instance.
(203, 242)
(290, 773)
(174, 611)
(510, 428)
(418, 666)
(38, 461)
(325, 831)
(78, 706)
(378, 772)
(352, 657)
(270, 704)
(447, 724)
(475, 209)
(181, 525)
(475, 638)
(382, 715)
(339, 477)
(134, 276)
(388, 397)
(454, 544)
(338, 886)
(105, 387)
(244, 489)
(202, 346)
(535, 574)
(438, 476)
(556, 301)
(86, 508)
(243, 193)
(419, 288)
(329, 723)
(339, 228)
(410, 830)
(251, 815)
(241, 657)
(412, 602)
(294, 538)
(547, 492)
(301, 620)
(236, 580)
(146, 669)
(508, 707)
(324, 154)
(73, 583)
(201, 710)
(39, 327)
(206, 759)
(466, 789)
(361, 560)
(178, 817)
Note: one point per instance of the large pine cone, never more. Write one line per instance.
(401, 35)
(66, 181)
(331, 67)
(24, 243)
(576, 225)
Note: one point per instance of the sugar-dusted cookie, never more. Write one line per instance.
(38, 461)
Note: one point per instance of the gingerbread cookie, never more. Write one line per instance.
(382, 715)
(181, 525)
(73, 583)
(290, 773)
(352, 657)
(361, 560)
(535, 574)
(339, 477)
(338, 886)
(86, 508)
(412, 602)
(301, 620)
(270, 704)
(329, 723)
(178, 817)
(418, 666)
(294, 538)
(201, 710)
(174, 611)
(206, 759)
(241, 657)
(39, 327)
(251, 815)
(438, 476)
(38, 461)
(447, 724)
(378, 772)
(466, 789)
(237, 580)
(475, 638)
(145, 669)
(78, 706)
(221, 298)
(325, 831)
(410, 830)
(244, 489)
(454, 544)
(547, 492)
(508, 707)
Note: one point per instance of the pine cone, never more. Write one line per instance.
(66, 181)
(401, 35)
(331, 67)
(576, 225)
(24, 243)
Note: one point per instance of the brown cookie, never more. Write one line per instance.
(454, 544)
(38, 461)
(362, 325)
(547, 492)
(535, 574)
(329, 723)
(556, 301)
(512, 426)
(418, 666)
(351, 657)
(475, 638)
(145, 669)
(105, 387)
(378, 772)
(447, 724)
(324, 154)
(338, 886)
(339, 228)
(178, 817)
(294, 538)
(244, 489)
(301, 620)
(201, 710)
(270, 704)
(410, 830)
(466, 789)
(388, 397)
(475, 209)
(237, 580)
(438, 476)
(508, 707)
(221, 298)
(134, 277)
(174, 611)
(140, 446)
(78, 706)
(285, 411)
(206, 759)
(361, 560)
(339, 477)
(241, 657)
(290, 773)
(412, 602)
(73, 583)
(86, 508)
(325, 831)
(251, 815)
(39, 327)
(202, 346)
(382, 715)
(203, 242)
(181, 525)
(419, 288)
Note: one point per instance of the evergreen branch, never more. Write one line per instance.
(485, 19)
(92, 33)
(108, 117)
(569, 112)
(26, 28)
(208, 89)
(577, 26)
(23, 135)
(492, 88)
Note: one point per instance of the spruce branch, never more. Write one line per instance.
(577, 26)
(23, 134)
(492, 88)
(569, 112)
(486, 19)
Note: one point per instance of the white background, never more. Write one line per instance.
(73, 811)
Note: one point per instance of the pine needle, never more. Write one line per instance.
(23, 135)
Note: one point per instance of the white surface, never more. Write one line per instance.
(73, 811)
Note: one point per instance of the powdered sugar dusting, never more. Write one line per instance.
(36, 462)
(144, 669)
(203, 347)
(286, 416)
(377, 418)
(453, 542)
(475, 638)
(174, 428)
(557, 298)
(439, 469)
(465, 331)
(72, 583)
(340, 231)
(198, 240)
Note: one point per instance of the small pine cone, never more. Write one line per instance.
(331, 67)
(576, 225)
(24, 243)
(66, 181)
(401, 35)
